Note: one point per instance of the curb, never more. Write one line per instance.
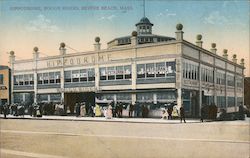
(157, 121)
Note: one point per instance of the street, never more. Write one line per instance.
(25, 138)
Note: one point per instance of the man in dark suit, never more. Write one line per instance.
(182, 114)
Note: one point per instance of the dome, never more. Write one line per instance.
(144, 20)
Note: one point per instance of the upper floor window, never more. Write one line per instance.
(1, 78)
(26, 79)
(115, 73)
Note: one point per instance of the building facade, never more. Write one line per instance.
(142, 67)
(247, 92)
(5, 85)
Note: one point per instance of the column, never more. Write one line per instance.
(214, 78)
(200, 85)
(134, 75)
(155, 98)
(226, 101)
(62, 51)
(23, 95)
(97, 77)
(35, 60)
(48, 97)
(12, 61)
(133, 98)
(179, 81)
(235, 92)
(62, 80)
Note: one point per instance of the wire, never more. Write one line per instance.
(44, 54)
(72, 48)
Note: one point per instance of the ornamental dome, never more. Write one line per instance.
(144, 20)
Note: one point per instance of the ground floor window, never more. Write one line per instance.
(42, 97)
(221, 101)
(55, 97)
(25, 98)
(231, 101)
(239, 101)
(145, 97)
(124, 97)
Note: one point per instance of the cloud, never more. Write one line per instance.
(41, 23)
(110, 18)
(215, 18)
(166, 13)
(228, 3)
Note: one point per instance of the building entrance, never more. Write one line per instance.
(70, 100)
(191, 102)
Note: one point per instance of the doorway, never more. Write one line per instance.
(70, 100)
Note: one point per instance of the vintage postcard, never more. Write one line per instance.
(124, 79)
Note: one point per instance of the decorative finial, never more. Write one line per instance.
(134, 33)
(97, 39)
(179, 27)
(225, 51)
(62, 45)
(35, 49)
(213, 45)
(12, 52)
(199, 37)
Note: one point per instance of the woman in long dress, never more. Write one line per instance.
(98, 112)
(83, 110)
(175, 112)
(109, 113)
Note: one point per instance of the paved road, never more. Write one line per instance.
(60, 139)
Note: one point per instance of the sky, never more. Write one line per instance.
(25, 24)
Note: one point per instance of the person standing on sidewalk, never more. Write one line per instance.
(109, 112)
(203, 113)
(131, 109)
(182, 114)
(170, 110)
(5, 110)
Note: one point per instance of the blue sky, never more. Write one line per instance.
(223, 22)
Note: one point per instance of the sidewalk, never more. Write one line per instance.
(102, 119)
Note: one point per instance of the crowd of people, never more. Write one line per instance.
(34, 110)
(112, 109)
(13, 109)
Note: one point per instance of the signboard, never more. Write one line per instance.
(78, 60)
(76, 89)
(3, 88)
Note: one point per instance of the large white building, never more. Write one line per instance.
(142, 67)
